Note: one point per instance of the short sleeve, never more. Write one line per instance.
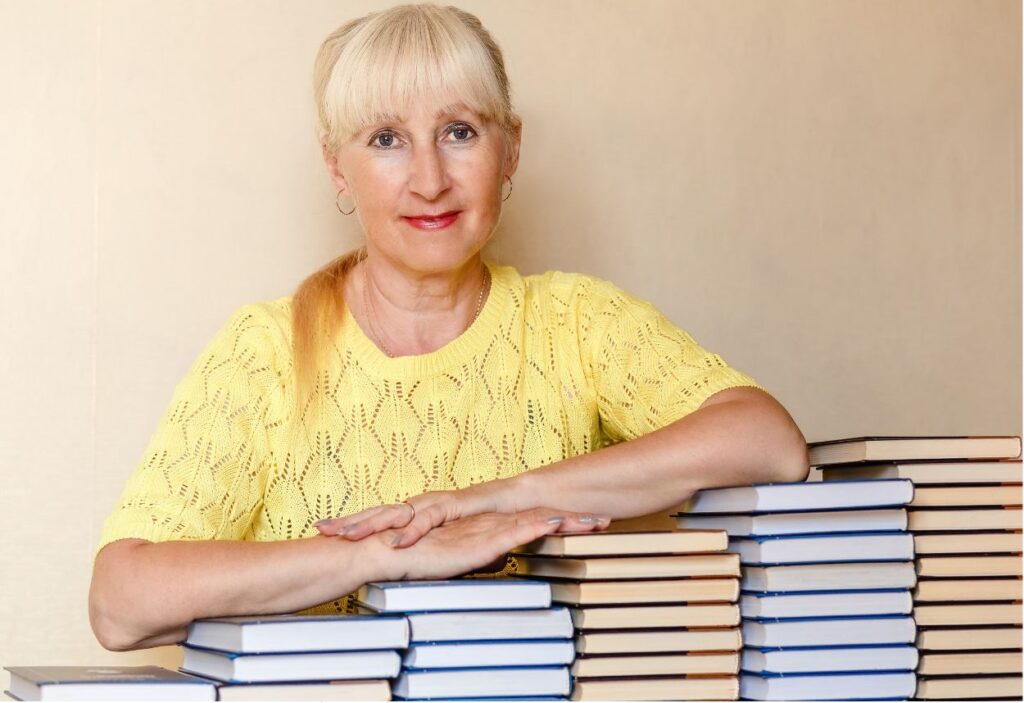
(646, 371)
(203, 472)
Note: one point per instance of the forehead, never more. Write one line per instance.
(422, 111)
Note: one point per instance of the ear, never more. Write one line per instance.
(331, 159)
(512, 152)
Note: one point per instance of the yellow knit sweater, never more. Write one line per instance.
(555, 365)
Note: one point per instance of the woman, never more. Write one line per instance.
(446, 409)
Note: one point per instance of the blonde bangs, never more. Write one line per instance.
(409, 55)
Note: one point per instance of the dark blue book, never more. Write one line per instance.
(111, 683)
(824, 548)
(455, 594)
(299, 633)
(295, 666)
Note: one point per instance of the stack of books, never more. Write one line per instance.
(827, 573)
(292, 657)
(477, 638)
(655, 612)
(966, 522)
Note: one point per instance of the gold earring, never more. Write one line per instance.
(509, 179)
(338, 205)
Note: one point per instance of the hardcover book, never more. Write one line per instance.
(830, 577)
(963, 519)
(596, 568)
(305, 666)
(676, 688)
(111, 683)
(483, 683)
(455, 594)
(461, 655)
(968, 664)
(875, 449)
(831, 686)
(371, 690)
(704, 590)
(593, 544)
(945, 472)
(824, 548)
(968, 638)
(968, 543)
(655, 616)
(797, 660)
(298, 633)
(886, 519)
(801, 497)
(933, 615)
(823, 604)
(962, 496)
(940, 590)
(967, 688)
(700, 663)
(654, 641)
(472, 626)
(953, 566)
(829, 632)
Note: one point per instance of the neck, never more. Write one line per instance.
(408, 313)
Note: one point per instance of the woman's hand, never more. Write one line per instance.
(421, 514)
(471, 543)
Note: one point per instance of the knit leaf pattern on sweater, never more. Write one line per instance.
(556, 365)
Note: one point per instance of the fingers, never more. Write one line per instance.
(427, 518)
(584, 522)
(368, 522)
(533, 524)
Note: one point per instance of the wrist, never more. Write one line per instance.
(377, 560)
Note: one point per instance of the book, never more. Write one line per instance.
(824, 548)
(706, 590)
(700, 663)
(301, 666)
(895, 449)
(826, 604)
(968, 614)
(928, 590)
(112, 683)
(829, 577)
(967, 664)
(968, 543)
(655, 641)
(357, 690)
(595, 568)
(930, 472)
(816, 687)
(455, 594)
(461, 655)
(957, 496)
(298, 633)
(969, 638)
(471, 626)
(886, 519)
(801, 497)
(483, 683)
(593, 544)
(949, 520)
(655, 616)
(825, 659)
(978, 687)
(666, 688)
(829, 632)
(969, 566)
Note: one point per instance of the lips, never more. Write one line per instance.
(433, 222)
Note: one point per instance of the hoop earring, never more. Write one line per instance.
(338, 205)
(509, 179)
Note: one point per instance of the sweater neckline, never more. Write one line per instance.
(461, 350)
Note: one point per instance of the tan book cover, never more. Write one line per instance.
(962, 614)
(656, 616)
(931, 472)
(962, 496)
(968, 543)
(603, 665)
(651, 641)
(658, 689)
(725, 590)
(967, 590)
(630, 567)
(875, 449)
(371, 690)
(966, 664)
(595, 544)
(962, 639)
(951, 566)
(938, 520)
(968, 688)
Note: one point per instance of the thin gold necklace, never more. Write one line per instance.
(372, 312)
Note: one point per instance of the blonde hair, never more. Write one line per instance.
(374, 68)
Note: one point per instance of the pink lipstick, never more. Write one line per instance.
(433, 222)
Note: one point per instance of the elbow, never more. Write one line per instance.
(792, 462)
(103, 620)
(110, 606)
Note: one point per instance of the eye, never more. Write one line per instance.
(383, 140)
(461, 131)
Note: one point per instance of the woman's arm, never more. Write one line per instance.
(145, 594)
(737, 436)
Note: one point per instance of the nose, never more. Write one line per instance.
(429, 177)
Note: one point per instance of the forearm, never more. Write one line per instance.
(145, 594)
(739, 436)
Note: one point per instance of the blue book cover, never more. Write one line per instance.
(455, 594)
(824, 548)
(106, 683)
(801, 497)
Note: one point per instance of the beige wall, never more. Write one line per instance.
(826, 193)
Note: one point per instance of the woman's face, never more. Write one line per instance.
(427, 185)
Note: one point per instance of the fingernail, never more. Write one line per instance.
(322, 523)
(346, 529)
(589, 519)
(397, 540)
(556, 520)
